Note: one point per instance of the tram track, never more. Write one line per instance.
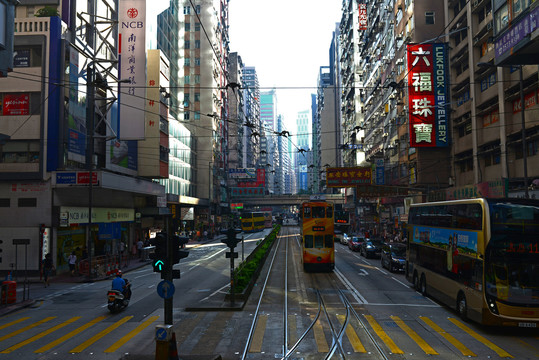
(324, 302)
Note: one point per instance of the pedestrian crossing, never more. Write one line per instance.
(221, 332)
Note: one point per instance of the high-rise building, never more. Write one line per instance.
(303, 143)
(251, 96)
(268, 145)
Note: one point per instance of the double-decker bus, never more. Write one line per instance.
(252, 221)
(341, 224)
(317, 236)
(268, 220)
(478, 256)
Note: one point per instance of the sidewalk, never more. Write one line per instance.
(66, 277)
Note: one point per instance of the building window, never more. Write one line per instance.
(197, 26)
(198, 9)
(197, 79)
(197, 115)
(501, 18)
(27, 202)
(5, 202)
(187, 10)
(187, 26)
(429, 17)
(197, 61)
(197, 44)
(187, 79)
(187, 44)
(187, 61)
(186, 115)
(197, 97)
(186, 100)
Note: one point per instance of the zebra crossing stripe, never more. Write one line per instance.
(352, 336)
(411, 333)
(131, 334)
(15, 333)
(14, 322)
(69, 335)
(382, 335)
(463, 349)
(101, 334)
(476, 336)
(40, 335)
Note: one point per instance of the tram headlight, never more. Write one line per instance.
(319, 259)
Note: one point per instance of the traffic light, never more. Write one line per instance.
(231, 241)
(177, 244)
(159, 256)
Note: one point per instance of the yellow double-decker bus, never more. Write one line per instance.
(252, 221)
(478, 256)
(317, 236)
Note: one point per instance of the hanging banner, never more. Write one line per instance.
(132, 66)
(362, 16)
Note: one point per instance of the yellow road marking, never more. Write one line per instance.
(319, 337)
(258, 336)
(14, 322)
(40, 335)
(481, 339)
(382, 335)
(69, 335)
(352, 336)
(411, 333)
(99, 335)
(26, 328)
(463, 349)
(131, 334)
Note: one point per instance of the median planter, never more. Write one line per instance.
(246, 274)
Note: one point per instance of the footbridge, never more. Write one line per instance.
(285, 200)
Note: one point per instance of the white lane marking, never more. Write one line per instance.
(400, 282)
(360, 299)
(382, 271)
(215, 292)
(410, 305)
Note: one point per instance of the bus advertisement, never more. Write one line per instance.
(478, 256)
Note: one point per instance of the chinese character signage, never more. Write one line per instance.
(362, 16)
(132, 59)
(348, 176)
(428, 95)
(242, 173)
(246, 192)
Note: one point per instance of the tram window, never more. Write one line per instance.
(306, 212)
(309, 241)
(318, 241)
(329, 212)
(319, 212)
(329, 241)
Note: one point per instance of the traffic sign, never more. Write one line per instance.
(161, 334)
(165, 289)
(234, 254)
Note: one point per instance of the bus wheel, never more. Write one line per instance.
(423, 285)
(462, 307)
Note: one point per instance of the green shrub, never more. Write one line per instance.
(47, 11)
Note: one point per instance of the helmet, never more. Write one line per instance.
(119, 273)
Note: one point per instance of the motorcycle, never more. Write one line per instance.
(117, 300)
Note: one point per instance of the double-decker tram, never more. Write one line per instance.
(252, 221)
(317, 236)
(268, 220)
(479, 256)
(342, 224)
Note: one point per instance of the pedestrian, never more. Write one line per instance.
(205, 234)
(48, 266)
(72, 261)
(121, 248)
(140, 245)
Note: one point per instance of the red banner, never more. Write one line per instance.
(16, 104)
(363, 17)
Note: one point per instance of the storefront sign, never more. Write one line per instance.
(21, 58)
(246, 192)
(79, 215)
(363, 16)
(516, 33)
(428, 95)
(16, 104)
(348, 176)
(242, 173)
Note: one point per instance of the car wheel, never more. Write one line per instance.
(462, 307)
(423, 285)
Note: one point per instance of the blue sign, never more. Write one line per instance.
(165, 289)
(161, 334)
(66, 178)
(441, 94)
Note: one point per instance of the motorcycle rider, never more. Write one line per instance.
(121, 285)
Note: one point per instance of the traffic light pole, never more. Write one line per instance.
(167, 275)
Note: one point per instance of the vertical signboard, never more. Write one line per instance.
(362, 16)
(132, 60)
(428, 95)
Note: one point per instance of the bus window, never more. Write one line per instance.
(306, 212)
(309, 241)
(319, 212)
(318, 241)
(329, 212)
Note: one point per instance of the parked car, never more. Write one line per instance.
(371, 248)
(355, 242)
(393, 256)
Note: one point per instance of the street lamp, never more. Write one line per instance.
(523, 119)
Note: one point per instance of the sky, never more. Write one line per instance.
(286, 41)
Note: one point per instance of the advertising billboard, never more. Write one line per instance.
(428, 96)
(348, 176)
